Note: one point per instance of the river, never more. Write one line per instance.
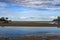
(14, 31)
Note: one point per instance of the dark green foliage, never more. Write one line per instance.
(57, 20)
(4, 19)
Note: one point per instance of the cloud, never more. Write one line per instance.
(2, 4)
(23, 17)
(53, 17)
(17, 11)
(39, 4)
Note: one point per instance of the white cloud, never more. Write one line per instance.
(39, 4)
(53, 17)
(23, 17)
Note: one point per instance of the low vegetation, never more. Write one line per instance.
(4, 20)
(32, 38)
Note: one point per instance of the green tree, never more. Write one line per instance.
(57, 20)
(2, 19)
(6, 18)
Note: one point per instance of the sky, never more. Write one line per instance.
(30, 10)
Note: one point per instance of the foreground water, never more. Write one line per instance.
(12, 31)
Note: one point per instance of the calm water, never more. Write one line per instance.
(22, 31)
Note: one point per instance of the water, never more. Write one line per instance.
(12, 31)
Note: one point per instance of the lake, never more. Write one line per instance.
(14, 31)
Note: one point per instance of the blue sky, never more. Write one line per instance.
(29, 11)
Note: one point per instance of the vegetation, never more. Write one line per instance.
(57, 20)
(32, 38)
(4, 20)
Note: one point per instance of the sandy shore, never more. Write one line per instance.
(27, 24)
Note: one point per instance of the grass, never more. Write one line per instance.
(27, 24)
(32, 38)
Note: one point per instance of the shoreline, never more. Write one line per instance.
(27, 24)
(31, 38)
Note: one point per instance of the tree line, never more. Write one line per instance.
(57, 20)
(5, 19)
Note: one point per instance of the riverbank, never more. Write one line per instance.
(28, 24)
(31, 38)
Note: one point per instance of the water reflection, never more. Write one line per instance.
(25, 30)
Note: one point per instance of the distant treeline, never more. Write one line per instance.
(4, 19)
(57, 20)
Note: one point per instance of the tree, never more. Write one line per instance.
(4, 19)
(57, 20)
